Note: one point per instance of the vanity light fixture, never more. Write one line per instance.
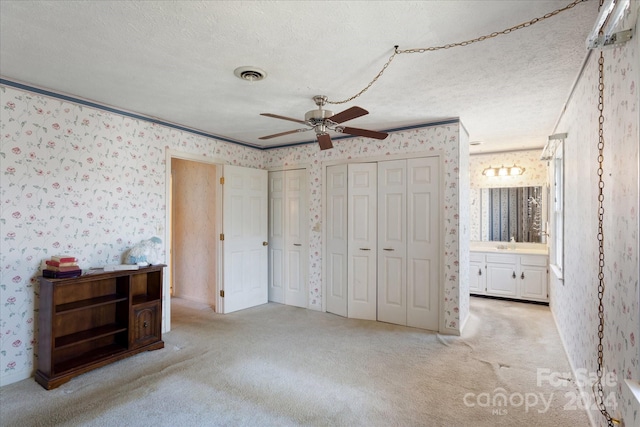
(503, 171)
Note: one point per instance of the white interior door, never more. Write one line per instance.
(423, 242)
(392, 242)
(362, 240)
(245, 267)
(276, 237)
(336, 240)
(296, 240)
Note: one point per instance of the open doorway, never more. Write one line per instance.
(194, 231)
(196, 245)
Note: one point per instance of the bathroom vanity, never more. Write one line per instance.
(500, 270)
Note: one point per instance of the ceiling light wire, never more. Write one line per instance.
(459, 44)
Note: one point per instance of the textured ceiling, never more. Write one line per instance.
(174, 61)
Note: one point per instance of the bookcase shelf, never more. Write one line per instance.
(91, 302)
(88, 335)
(92, 320)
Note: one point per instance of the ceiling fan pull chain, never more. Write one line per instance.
(458, 44)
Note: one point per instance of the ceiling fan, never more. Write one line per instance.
(322, 121)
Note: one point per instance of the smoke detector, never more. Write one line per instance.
(251, 74)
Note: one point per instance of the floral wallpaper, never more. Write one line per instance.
(91, 183)
(574, 301)
(444, 140)
(79, 181)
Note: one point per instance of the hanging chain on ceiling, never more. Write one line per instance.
(458, 44)
(598, 390)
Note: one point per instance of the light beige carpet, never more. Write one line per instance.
(276, 365)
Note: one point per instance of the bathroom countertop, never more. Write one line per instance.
(504, 247)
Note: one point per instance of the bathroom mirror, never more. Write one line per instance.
(497, 214)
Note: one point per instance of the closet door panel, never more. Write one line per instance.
(423, 243)
(296, 241)
(392, 244)
(362, 240)
(336, 240)
(276, 237)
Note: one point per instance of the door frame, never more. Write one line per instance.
(435, 153)
(166, 285)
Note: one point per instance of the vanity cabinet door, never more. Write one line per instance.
(477, 274)
(533, 278)
(501, 275)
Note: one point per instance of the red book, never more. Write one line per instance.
(63, 268)
(53, 263)
(63, 258)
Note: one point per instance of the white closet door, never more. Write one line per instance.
(276, 237)
(392, 243)
(423, 242)
(362, 231)
(296, 241)
(336, 240)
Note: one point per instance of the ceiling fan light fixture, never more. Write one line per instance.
(251, 74)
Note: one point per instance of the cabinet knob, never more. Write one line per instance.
(145, 324)
(514, 275)
(522, 275)
(479, 272)
(265, 243)
(365, 249)
(387, 249)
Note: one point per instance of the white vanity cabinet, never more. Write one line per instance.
(502, 278)
(534, 277)
(477, 274)
(509, 275)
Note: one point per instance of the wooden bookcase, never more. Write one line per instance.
(92, 320)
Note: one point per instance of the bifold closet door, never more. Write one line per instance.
(288, 241)
(423, 242)
(336, 240)
(362, 241)
(408, 242)
(392, 242)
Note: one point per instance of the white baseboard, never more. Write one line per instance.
(14, 377)
(573, 368)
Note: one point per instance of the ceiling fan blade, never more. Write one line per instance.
(364, 132)
(275, 135)
(275, 116)
(348, 114)
(325, 141)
